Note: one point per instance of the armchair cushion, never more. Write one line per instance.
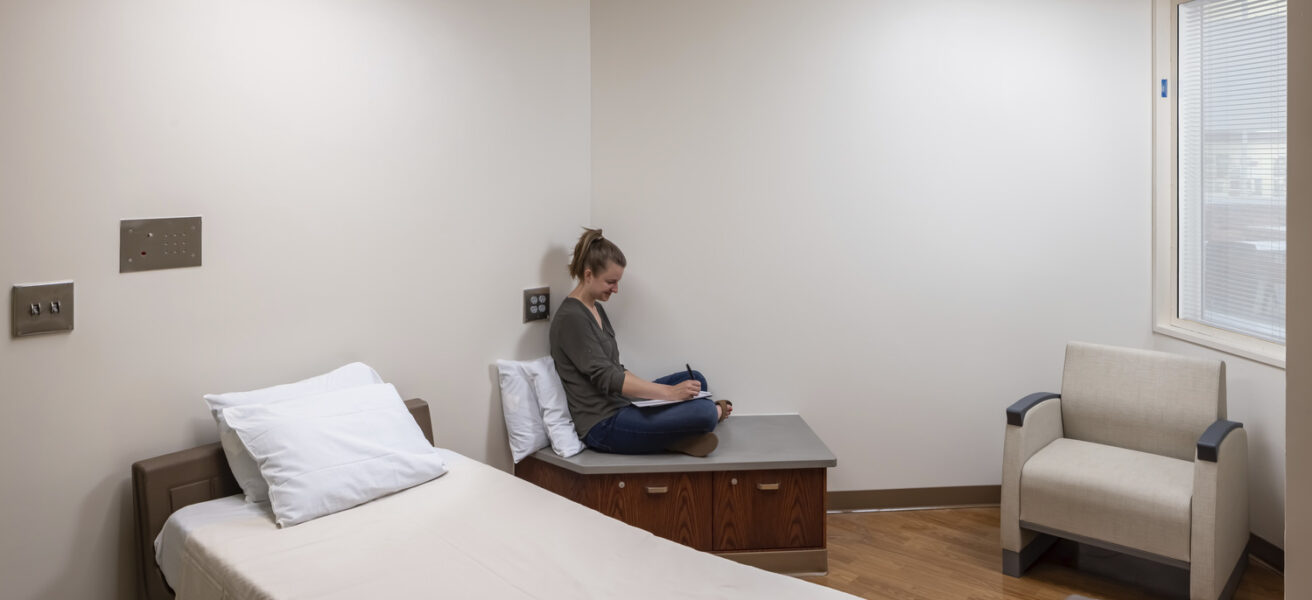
(1128, 498)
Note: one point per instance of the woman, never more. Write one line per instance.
(601, 391)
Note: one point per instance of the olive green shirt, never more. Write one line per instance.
(587, 358)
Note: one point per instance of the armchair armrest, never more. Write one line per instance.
(1021, 443)
(1209, 444)
(1016, 412)
(1220, 529)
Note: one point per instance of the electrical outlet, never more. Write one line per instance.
(537, 303)
(41, 308)
(150, 244)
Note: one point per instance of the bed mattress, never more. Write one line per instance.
(475, 532)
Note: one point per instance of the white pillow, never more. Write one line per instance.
(326, 453)
(555, 407)
(520, 406)
(243, 466)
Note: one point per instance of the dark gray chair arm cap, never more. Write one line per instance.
(1209, 445)
(1016, 412)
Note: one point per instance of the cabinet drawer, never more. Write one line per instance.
(765, 510)
(675, 506)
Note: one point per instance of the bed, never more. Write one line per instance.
(473, 532)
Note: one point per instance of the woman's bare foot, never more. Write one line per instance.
(723, 408)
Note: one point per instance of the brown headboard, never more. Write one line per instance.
(164, 484)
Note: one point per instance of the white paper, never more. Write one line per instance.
(647, 403)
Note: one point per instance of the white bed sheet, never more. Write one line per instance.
(475, 532)
(181, 524)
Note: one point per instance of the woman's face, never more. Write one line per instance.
(607, 283)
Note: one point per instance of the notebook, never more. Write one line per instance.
(647, 403)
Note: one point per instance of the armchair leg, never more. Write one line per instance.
(1016, 563)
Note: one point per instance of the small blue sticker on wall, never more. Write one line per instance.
(1163, 88)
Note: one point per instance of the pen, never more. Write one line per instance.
(690, 377)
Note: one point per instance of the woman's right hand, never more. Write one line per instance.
(686, 390)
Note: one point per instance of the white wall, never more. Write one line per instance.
(887, 216)
(379, 180)
(1298, 532)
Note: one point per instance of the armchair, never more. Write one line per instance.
(1134, 455)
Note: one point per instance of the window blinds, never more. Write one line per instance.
(1231, 165)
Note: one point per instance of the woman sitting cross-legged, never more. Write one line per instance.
(601, 392)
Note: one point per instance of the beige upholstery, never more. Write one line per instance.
(1140, 400)
(1124, 497)
(1220, 524)
(1042, 426)
(1112, 462)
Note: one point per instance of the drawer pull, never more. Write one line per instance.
(766, 487)
(621, 485)
(733, 481)
(657, 489)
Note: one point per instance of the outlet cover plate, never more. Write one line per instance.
(150, 244)
(41, 308)
(537, 304)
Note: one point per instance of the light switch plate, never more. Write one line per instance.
(150, 244)
(537, 304)
(41, 308)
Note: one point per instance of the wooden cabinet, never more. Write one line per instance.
(722, 511)
(675, 506)
(733, 502)
(769, 510)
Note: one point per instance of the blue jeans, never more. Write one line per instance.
(636, 430)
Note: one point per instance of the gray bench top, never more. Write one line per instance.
(747, 442)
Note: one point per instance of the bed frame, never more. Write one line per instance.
(167, 483)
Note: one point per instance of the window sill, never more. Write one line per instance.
(1225, 341)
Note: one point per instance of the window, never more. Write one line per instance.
(1220, 174)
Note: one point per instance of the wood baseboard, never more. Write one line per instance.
(1271, 554)
(938, 497)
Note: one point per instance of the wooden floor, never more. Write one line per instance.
(956, 553)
